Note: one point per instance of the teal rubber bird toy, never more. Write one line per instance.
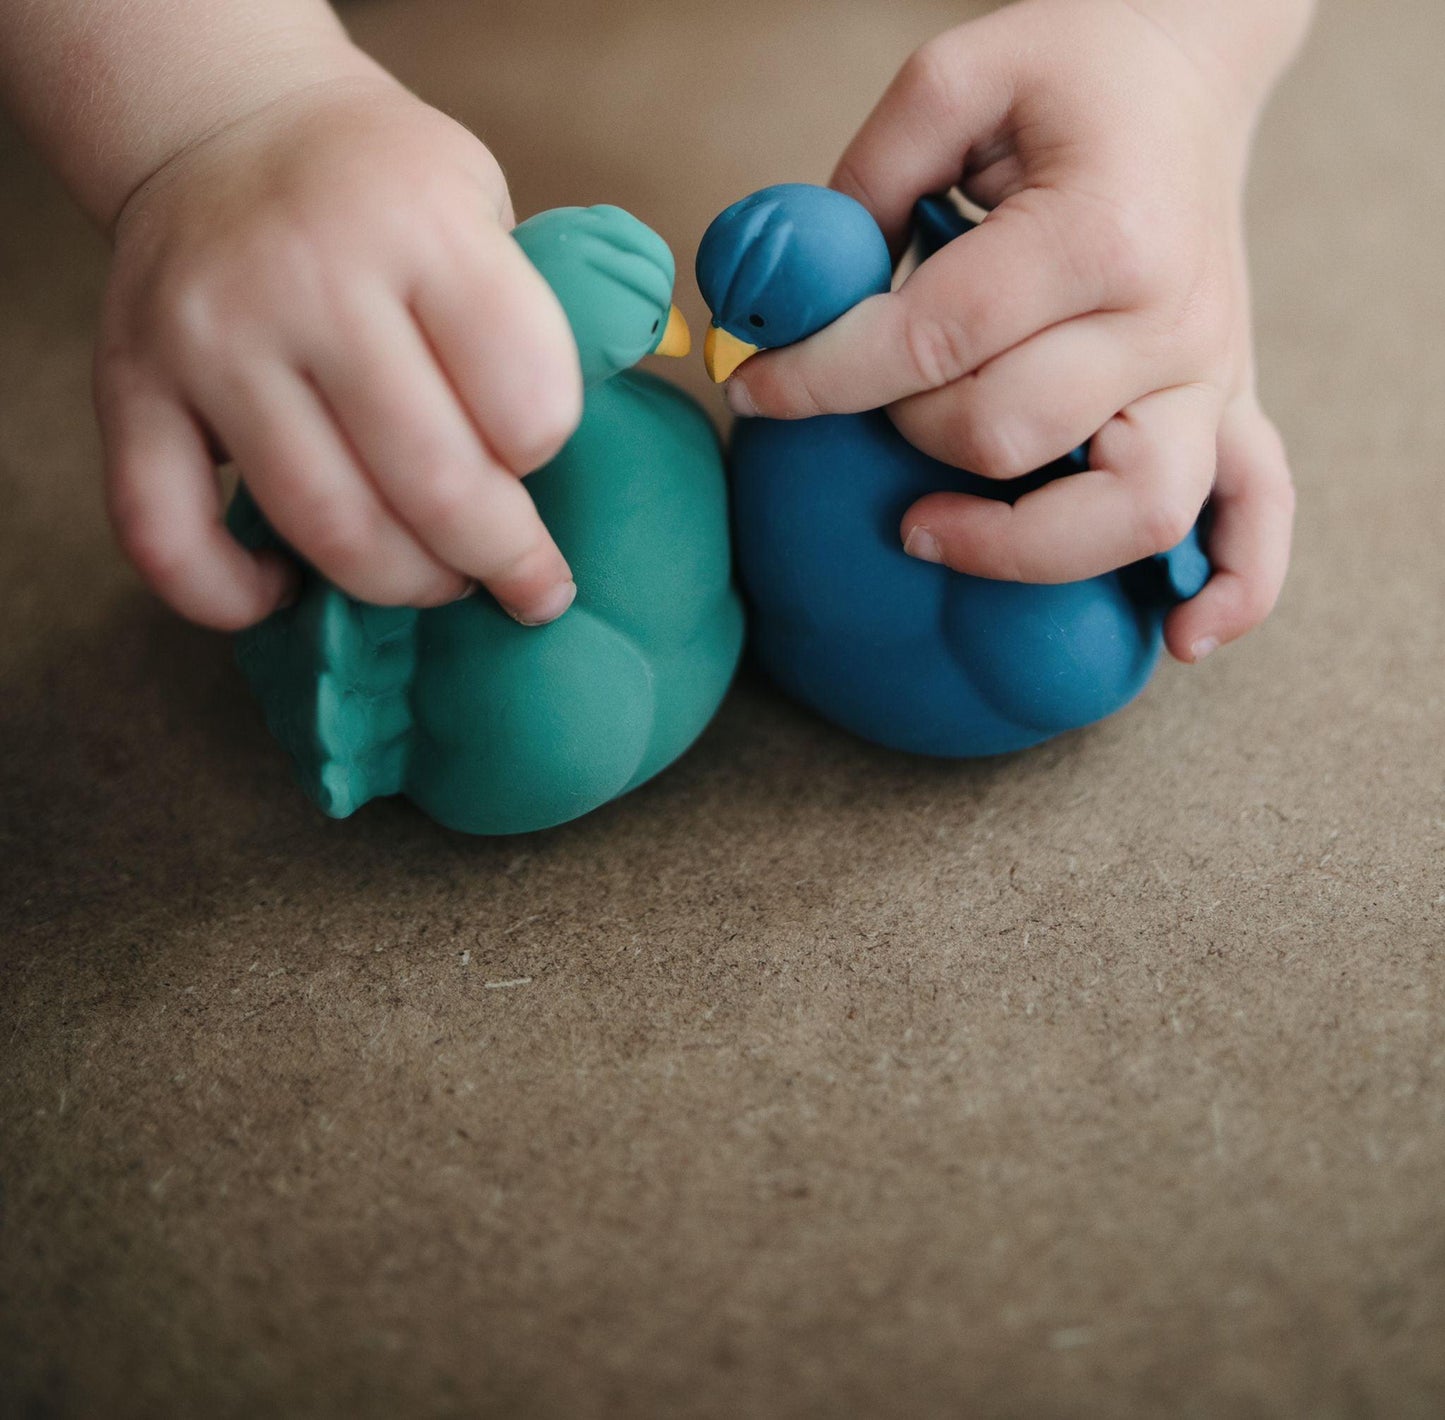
(491, 727)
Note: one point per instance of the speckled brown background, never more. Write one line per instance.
(1106, 1080)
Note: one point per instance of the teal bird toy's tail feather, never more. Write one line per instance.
(334, 678)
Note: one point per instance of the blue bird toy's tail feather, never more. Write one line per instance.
(936, 222)
(334, 678)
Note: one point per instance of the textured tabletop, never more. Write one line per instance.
(810, 1080)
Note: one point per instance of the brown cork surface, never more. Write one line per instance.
(811, 1080)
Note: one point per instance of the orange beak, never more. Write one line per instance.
(676, 338)
(723, 352)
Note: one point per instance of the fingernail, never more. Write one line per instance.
(470, 590)
(922, 544)
(550, 607)
(740, 401)
(1201, 648)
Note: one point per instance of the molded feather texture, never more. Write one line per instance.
(333, 676)
(906, 653)
(491, 727)
(614, 277)
(780, 265)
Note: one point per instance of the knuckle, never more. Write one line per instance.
(187, 320)
(936, 349)
(448, 493)
(849, 177)
(569, 416)
(488, 172)
(551, 429)
(995, 448)
(338, 540)
(529, 560)
(1257, 601)
(230, 615)
(398, 581)
(287, 249)
(196, 308)
(1128, 256)
(157, 560)
(455, 241)
(440, 592)
(381, 590)
(804, 399)
(1164, 521)
(923, 80)
(167, 567)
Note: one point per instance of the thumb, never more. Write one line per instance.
(952, 95)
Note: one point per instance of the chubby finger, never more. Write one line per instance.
(949, 99)
(1035, 403)
(307, 481)
(503, 340)
(165, 506)
(430, 465)
(982, 294)
(1249, 539)
(1151, 471)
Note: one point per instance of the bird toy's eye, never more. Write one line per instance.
(657, 325)
(757, 322)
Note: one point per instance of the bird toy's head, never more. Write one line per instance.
(780, 265)
(613, 276)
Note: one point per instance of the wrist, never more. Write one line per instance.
(1241, 46)
(109, 94)
(293, 75)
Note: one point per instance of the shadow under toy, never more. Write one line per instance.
(492, 727)
(905, 653)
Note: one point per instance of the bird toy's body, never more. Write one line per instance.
(902, 652)
(492, 727)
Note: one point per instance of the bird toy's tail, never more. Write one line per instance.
(937, 220)
(333, 676)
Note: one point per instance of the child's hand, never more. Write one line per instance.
(326, 291)
(1105, 296)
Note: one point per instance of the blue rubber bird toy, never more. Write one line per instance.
(904, 653)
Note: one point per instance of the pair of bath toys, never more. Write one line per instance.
(495, 728)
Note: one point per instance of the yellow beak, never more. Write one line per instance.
(677, 338)
(723, 352)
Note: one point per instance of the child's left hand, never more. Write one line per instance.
(1105, 297)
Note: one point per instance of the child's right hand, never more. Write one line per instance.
(325, 290)
(1103, 299)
